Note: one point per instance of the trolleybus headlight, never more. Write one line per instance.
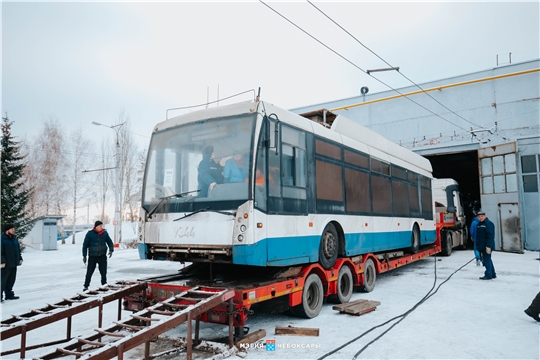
(243, 228)
(240, 238)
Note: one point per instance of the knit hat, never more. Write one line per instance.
(207, 152)
(7, 227)
(97, 223)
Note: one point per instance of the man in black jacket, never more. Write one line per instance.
(210, 171)
(95, 244)
(11, 258)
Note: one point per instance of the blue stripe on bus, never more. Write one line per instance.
(287, 251)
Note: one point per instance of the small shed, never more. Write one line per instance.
(44, 234)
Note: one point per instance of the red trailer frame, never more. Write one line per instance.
(291, 284)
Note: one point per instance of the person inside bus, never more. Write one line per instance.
(236, 169)
(210, 171)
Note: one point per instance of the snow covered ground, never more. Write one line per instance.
(466, 319)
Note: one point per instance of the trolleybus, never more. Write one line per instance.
(254, 184)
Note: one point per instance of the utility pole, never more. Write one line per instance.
(116, 221)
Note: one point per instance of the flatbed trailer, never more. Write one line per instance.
(299, 289)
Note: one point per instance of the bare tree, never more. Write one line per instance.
(133, 188)
(46, 165)
(80, 184)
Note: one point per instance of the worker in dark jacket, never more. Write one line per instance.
(95, 245)
(210, 171)
(11, 258)
(485, 243)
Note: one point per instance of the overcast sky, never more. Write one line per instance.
(84, 62)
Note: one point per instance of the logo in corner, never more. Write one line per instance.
(270, 345)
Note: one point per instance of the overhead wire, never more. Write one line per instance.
(358, 67)
(374, 53)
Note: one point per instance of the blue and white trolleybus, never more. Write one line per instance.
(253, 184)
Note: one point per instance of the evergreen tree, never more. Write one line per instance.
(13, 195)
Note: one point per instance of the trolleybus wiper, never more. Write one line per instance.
(168, 197)
(206, 209)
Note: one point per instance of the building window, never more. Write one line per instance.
(498, 174)
(529, 170)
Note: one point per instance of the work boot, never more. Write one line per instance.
(85, 288)
(531, 314)
(13, 297)
(485, 278)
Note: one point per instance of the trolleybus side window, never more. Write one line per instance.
(261, 180)
(293, 163)
(357, 183)
(381, 187)
(329, 177)
(414, 197)
(400, 196)
(274, 167)
(425, 191)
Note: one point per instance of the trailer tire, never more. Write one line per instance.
(415, 240)
(370, 276)
(446, 243)
(329, 247)
(312, 298)
(344, 286)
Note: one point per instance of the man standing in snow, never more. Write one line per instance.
(485, 242)
(11, 258)
(95, 244)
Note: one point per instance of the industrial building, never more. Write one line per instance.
(481, 129)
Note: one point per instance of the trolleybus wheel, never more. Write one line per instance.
(329, 247)
(312, 298)
(344, 286)
(446, 244)
(370, 275)
(415, 240)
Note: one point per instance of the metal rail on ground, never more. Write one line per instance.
(65, 309)
(147, 324)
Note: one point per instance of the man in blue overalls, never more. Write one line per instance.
(485, 242)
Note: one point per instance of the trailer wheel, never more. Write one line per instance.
(370, 275)
(415, 240)
(329, 247)
(312, 298)
(344, 286)
(446, 243)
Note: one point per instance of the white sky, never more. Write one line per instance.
(84, 62)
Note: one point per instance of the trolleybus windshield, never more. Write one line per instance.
(207, 163)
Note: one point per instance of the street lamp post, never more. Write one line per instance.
(116, 222)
